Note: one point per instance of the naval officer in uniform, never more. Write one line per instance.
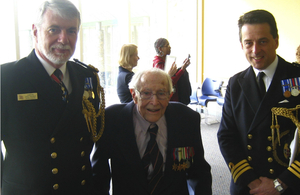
(254, 138)
(44, 100)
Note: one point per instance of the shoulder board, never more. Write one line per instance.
(89, 67)
(296, 64)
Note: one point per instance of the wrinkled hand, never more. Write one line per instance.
(185, 64)
(266, 187)
(173, 69)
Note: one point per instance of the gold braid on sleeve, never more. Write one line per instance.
(89, 111)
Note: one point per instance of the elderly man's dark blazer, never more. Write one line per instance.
(183, 130)
(245, 136)
(47, 144)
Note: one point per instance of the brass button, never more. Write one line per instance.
(269, 138)
(52, 140)
(81, 139)
(230, 165)
(249, 158)
(270, 159)
(249, 147)
(83, 168)
(83, 182)
(271, 171)
(269, 148)
(55, 186)
(250, 136)
(55, 171)
(82, 153)
(53, 155)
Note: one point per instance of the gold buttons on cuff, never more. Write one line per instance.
(82, 154)
(53, 155)
(55, 171)
(270, 159)
(83, 168)
(271, 171)
(269, 148)
(52, 140)
(249, 158)
(249, 147)
(83, 182)
(55, 186)
(250, 136)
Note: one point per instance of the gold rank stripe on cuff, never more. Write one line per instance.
(240, 168)
(295, 168)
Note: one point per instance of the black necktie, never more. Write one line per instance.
(152, 155)
(57, 76)
(261, 84)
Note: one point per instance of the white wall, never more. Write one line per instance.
(223, 55)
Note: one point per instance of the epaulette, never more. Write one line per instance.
(90, 67)
(296, 64)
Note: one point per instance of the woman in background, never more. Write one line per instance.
(128, 60)
(180, 78)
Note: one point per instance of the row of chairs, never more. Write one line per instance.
(211, 91)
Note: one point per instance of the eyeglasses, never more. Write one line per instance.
(147, 95)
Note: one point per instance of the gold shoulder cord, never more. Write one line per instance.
(288, 113)
(90, 112)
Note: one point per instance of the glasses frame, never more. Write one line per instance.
(152, 94)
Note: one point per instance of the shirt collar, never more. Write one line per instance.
(270, 70)
(50, 69)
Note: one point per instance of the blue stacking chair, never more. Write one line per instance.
(211, 90)
(194, 97)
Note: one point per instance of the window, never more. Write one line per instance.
(106, 26)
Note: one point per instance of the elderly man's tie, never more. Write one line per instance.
(57, 76)
(153, 156)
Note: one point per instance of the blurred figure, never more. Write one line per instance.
(180, 77)
(298, 55)
(128, 60)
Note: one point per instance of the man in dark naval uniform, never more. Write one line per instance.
(44, 101)
(260, 114)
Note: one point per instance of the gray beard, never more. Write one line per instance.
(57, 60)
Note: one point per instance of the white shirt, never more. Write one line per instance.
(142, 137)
(50, 69)
(269, 71)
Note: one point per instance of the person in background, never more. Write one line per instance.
(128, 60)
(180, 77)
(254, 134)
(171, 129)
(43, 128)
(298, 55)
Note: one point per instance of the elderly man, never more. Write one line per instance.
(43, 128)
(171, 130)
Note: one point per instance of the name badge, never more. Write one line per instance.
(27, 96)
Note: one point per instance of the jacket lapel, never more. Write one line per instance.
(250, 89)
(127, 143)
(75, 99)
(272, 97)
(172, 126)
(39, 79)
